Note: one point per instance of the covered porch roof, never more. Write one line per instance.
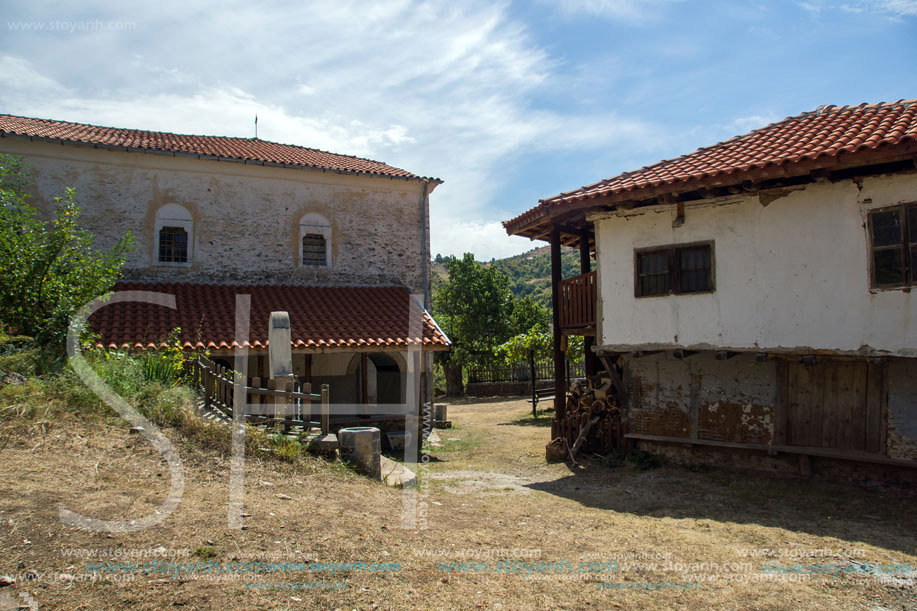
(322, 318)
(829, 143)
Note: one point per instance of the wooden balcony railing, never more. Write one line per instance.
(578, 301)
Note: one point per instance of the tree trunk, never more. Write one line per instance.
(453, 381)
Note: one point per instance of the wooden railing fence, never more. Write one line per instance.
(283, 402)
(578, 301)
(522, 372)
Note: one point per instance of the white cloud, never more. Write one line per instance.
(898, 7)
(894, 8)
(624, 10)
(441, 89)
(747, 124)
(486, 239)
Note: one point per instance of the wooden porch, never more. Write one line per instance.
(578, 298)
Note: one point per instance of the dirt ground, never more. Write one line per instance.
(490, 526)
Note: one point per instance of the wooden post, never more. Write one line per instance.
(307, 407)
(326, 410)
(364, 378)
(532, 378)
(590, 359)
(560, 372)
(308, 374)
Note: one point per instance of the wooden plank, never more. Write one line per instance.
(819, 381)
(806, 450)
(883, 430)
(326, 410)
(796, 416)
(781, 404)
(873, 417)
(832, 411)
(855, 436)
(306, 404)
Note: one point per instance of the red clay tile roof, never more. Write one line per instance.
(820, 137)
(320, 317)
(215, 147)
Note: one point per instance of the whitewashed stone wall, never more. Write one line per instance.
(792, 273)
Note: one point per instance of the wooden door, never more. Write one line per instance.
(834, 404)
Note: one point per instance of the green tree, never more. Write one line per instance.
(48, 269)
(526, 314)
(474, 307)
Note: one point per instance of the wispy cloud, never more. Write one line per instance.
(892, 8)
(623, 10)
(440, 89)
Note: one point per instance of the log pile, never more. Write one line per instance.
(592, 422)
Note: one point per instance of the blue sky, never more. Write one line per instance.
(508, 102)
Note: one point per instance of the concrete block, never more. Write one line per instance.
(362, 446)
(323, 445)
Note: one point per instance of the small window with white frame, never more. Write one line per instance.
(174, 236)
(314, 241)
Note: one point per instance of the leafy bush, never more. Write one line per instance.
(47, 269)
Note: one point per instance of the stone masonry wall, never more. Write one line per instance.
(246, 217)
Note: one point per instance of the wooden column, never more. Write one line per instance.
(585, 266)
(307, 376)
(364, 378)
(560, 369)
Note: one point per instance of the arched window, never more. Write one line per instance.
(174, 231)
(314, 241)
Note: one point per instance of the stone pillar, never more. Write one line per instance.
(280, 357)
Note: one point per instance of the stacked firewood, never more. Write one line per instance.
(592, 422)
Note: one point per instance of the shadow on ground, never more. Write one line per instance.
(886, 519)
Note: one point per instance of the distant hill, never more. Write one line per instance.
(528, 273)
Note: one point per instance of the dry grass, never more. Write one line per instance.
(487, 489)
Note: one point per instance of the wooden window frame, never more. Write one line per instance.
(673, 251)
(904, 245)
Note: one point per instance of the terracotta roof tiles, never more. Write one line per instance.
(823, 134)
(320, 317)
(215, 147)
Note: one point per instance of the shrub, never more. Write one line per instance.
(47, 269)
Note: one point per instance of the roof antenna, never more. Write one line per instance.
(256, 126)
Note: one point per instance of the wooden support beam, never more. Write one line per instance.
(560, 370)
(679, 219)
(364, 377)
(307, 377)
(591, 363)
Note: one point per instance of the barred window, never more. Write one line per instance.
(173, 245)
(313, 249)
(893, 233)
(674, 270)
(174, 236)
